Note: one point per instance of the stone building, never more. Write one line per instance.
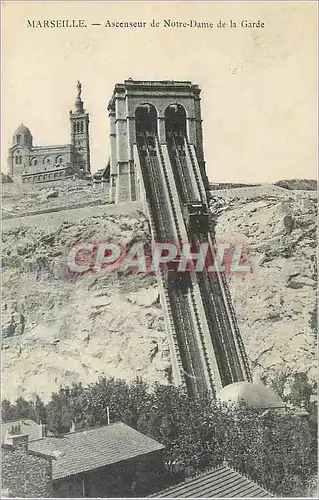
(33, 164)
(25, 473)
(110, 461)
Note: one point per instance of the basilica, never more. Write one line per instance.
(32, 164)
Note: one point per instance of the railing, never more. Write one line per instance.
(239, 365)
(173, 195)
(227, 302)
(197, 313)
(206, 346)
(187, 192)
(188, 171)
(198, 175)
(225, 316)
(177, 366)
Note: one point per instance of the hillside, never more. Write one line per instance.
(58, 329)
(300, 184)
(276, 302)
(28, 199)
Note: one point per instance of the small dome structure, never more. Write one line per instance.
(253, 395)
(22, 136)
(22, 129)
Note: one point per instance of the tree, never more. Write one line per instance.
(8, 411)
(23, 409)
(277, 451)
(39, 410)
(59, 412)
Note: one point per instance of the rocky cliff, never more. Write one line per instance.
(58, 328)
(275, 302)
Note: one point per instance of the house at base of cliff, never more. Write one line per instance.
(109, 461)
(25, 473)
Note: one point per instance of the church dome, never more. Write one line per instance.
(22, 129)
(253, 395)
(22, 136)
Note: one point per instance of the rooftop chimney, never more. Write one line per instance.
(15, 438)
(42, 430)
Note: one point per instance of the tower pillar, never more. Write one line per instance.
(161, 129)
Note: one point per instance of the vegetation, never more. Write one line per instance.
(278, 452)
(302, 184)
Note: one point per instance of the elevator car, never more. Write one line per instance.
(196, 217)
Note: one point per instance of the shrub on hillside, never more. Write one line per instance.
(300, 184)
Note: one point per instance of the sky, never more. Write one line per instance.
(259, 89)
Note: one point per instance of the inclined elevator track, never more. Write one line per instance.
(186, 325)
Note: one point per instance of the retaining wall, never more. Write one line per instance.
(56, 218)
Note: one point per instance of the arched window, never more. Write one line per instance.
(82, 127)
(146, 120)
(175, 121)
(17, 160)
(20, 160)
(19, 139)
(74, 127)
(60, 161)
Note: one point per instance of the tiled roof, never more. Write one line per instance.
(88, 450)
(222, 482)
(27, 426)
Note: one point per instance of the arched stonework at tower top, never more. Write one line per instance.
(175, 120)
(132, 95)
(145, 119)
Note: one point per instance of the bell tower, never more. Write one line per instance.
(80, 135)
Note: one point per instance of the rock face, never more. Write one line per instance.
(28, 199)
(276, 301)
(58, 328)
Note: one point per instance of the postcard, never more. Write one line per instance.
(159, 202)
